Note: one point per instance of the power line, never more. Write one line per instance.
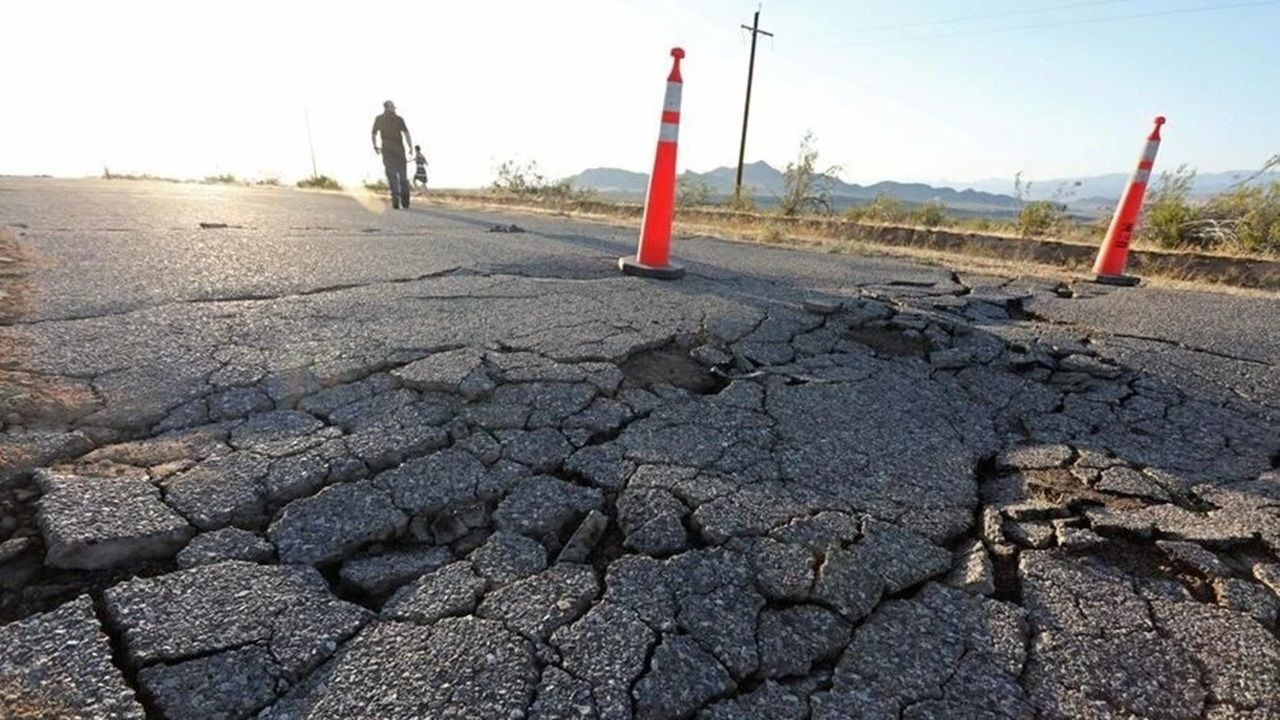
(989, 16)
(1066, 23)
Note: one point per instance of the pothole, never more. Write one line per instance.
(671, 365)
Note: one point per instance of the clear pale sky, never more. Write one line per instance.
(195, 88)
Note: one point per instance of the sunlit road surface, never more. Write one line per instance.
(325, 459)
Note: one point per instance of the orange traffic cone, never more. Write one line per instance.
(1114, 253)
(653, 256)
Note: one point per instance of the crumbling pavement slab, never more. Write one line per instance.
(58, 664)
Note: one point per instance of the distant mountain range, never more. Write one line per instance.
(1108, 187)
(1091, 195)
(766, 182)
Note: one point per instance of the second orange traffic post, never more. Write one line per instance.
(1113, 256)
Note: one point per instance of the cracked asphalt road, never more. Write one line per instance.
(332, 461)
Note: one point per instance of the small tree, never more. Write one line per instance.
(526, 179)
(804, 187)
(519, 179)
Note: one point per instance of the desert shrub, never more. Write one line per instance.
(525, 179)
(1037, 218)
(931, 214)
(319, 182)
(1165, 221)
(1246, 219)
(746, 202)
(883, 209)
(692, 192)
(978, 224)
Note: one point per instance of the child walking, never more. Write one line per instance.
(420, 176)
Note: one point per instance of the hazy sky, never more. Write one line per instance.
(197, 88)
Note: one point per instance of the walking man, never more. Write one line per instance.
(391, 126)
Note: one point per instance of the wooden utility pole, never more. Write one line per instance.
(746, 110)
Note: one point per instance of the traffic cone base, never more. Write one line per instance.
(1121, 280)
(631, 266)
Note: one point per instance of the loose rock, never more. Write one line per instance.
(380, 574)
(543, 505)
(450, 591)
(99, 522)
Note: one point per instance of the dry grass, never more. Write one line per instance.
(15, 264)
(999, 253)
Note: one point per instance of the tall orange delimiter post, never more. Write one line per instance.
(653, 256)
(1113, 256)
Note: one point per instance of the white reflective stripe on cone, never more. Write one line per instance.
(671, 103)
(669, 132)
(1149, 154)
(1141, 176)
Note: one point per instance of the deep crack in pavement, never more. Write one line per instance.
(832, 488)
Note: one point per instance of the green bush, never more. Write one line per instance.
(378, 185)
(1037, 218)
(979, 224)
(1167, 217)
(931, 214)
(223, 179)
(692, 192)
(1040, 217)
(320, 182)
(884, 209)
(1247, 218)
(1244, 219)
(745, 203)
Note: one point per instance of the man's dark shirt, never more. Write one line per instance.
(390, 126)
